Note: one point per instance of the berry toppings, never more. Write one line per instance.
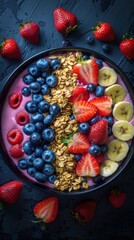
(79, 144)
(103, 105)
(10, 192)
(15, 136)
(79, 94)
(87, 166)
(87, 71)
(22, 118)
(16, 151)
(65, 21)
(104, 32)
(30, 32)
(127, 47)
(98, 132)
(14, 100)
(9, 49)
(84, 111)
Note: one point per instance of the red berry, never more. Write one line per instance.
(84, 111)
(127, 47)
(30, 32)
(104, 32)
(9, 49)
(22, 118)
(117, 198)
(14, 136)
(103, 105)
(79, 94)
(16, 151)
(78, 144)
(14, 100)
(98, 132)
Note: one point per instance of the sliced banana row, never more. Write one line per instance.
(123, 130)
(107, 76)
(116, 92)
(108, 167)
(117, 150)
(123, 111)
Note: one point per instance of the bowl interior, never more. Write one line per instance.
(5, 88)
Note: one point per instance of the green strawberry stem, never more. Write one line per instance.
(42, 224)
(127, 36)
(70, 29)
(115, 191)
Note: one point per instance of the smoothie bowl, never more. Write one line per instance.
(67, 121)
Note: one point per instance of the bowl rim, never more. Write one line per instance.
(9, 81)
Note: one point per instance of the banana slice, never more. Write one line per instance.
(123, 111)
(123, 130)
(117, 150)
(116, 92)
(108, 167)
(107, 76)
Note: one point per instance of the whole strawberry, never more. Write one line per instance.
(10, 192)
(127, 47)
(65, 21)
(9, 49)
(117, 198)
(84, 211)
(30, 32)
(104, 32)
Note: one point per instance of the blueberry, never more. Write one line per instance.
(22, 164)
(28, 148)
(100, 63)
(99, 91)
(26, 92)
(45, 89)
(48, 119)
(44, 106)
(37, 117)
(31, 171)
(48, 169)
(42, 64)
(85, 57)
(35, 138)
(104, 148)
(40, 80)
(33, 70)
(51, 80)
(38, 151)
(97, 179)
(48, 156)
(55, 64)
(37, 97)
(106, 48)
(94, 149)
(90, 40)
(94, 120)
(35, 87)
(40, 177)
(72, 117)
(52, 178)
(66, 43)
(48, 134)
(30, 159)
(38, 163)
(54, 109)
(110, 120)
(77, 157)
(91, 87)
(83, 127)
(27, 79)
(109, 131)
(28, 128)
(31, 107)
(45, 74)
(39, 126)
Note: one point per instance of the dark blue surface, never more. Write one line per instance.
(108, 223)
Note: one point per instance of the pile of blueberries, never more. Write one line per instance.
(39, 81)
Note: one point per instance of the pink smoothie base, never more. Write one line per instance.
(9, 122)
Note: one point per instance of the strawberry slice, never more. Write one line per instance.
(47, 209)
(79, 144)
(103, 104)
(79, 94)
(98, 132)
(87, 71)
(84, 111)
(87, 166)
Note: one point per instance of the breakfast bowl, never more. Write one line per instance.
(67, 121)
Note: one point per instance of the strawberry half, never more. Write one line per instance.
(47, 209)
(103, 104)
(84, 211)
(79, 94)
(87, 71)
(87, 166)
(98, 132)
(84, 111)
(9, 192)
(79, 144)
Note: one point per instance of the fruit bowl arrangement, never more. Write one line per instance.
(67, 121)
